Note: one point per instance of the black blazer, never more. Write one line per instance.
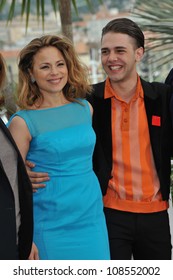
(7, 210)
(157, 98)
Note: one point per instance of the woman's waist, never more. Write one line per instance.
(56, 167)
(60, 172)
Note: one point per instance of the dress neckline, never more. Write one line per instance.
(50, 108)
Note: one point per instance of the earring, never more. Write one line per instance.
(32, 80)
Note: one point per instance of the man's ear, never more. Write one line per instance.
(139, 54)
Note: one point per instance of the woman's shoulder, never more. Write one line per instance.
(22, 114)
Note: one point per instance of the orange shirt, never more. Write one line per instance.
(134, 186)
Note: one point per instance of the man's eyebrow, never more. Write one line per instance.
(117, 47)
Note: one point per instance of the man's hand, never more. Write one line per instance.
(34, 253)
(36, 178)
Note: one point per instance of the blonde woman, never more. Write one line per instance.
(54, 130)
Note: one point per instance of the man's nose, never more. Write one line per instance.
(112, 56)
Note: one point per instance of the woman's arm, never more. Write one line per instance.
(21, 135)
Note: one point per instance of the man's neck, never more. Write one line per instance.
(125, 89)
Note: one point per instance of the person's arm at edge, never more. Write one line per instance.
(22, 137)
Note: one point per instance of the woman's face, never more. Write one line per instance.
(49, 70)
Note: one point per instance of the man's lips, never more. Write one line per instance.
(116, 67)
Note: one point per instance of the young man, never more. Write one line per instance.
(134, 146)
(133, 150)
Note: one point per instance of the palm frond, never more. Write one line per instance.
(2, 4)
(11, 11)
(54, 6)
(40, 8)
(75, 6)
(28, 6)
(42, 13)
(155, 19)
(23, 7)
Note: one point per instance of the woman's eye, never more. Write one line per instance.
(60, 64)
(44, 67)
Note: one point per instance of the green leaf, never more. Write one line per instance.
(23, 7)
(11, 11)
(75, 7)
(38, 9)
(89, 5)
(2, 4)
(54, 6)
(42, 13)
(28, 6)
(155, 19)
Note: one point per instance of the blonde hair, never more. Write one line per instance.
(2, 78)
(77, 85)
(2, 72)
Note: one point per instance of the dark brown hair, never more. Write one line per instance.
(125, 26)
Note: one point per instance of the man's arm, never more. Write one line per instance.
(36, 178)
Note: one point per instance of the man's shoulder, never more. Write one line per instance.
(97, 92)
(99, 86)
(155, 89)
(155, 85)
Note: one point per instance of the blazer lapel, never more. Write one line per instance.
(102, 121)
(8, 134)
(153, 106)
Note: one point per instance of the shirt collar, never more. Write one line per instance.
(109, 92)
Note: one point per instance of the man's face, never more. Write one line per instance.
(119, 56)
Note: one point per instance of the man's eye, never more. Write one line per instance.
(104, 52)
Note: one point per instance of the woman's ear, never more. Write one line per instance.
(31, 76)
(32, 79)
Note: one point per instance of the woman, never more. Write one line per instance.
(54, 130)
(15, 196)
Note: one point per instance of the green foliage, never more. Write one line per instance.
(155, 17)
(27, 6)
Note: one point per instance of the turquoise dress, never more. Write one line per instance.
(69, 222)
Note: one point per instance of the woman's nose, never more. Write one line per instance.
(54, 70)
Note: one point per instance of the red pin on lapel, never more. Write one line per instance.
(156, 120)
